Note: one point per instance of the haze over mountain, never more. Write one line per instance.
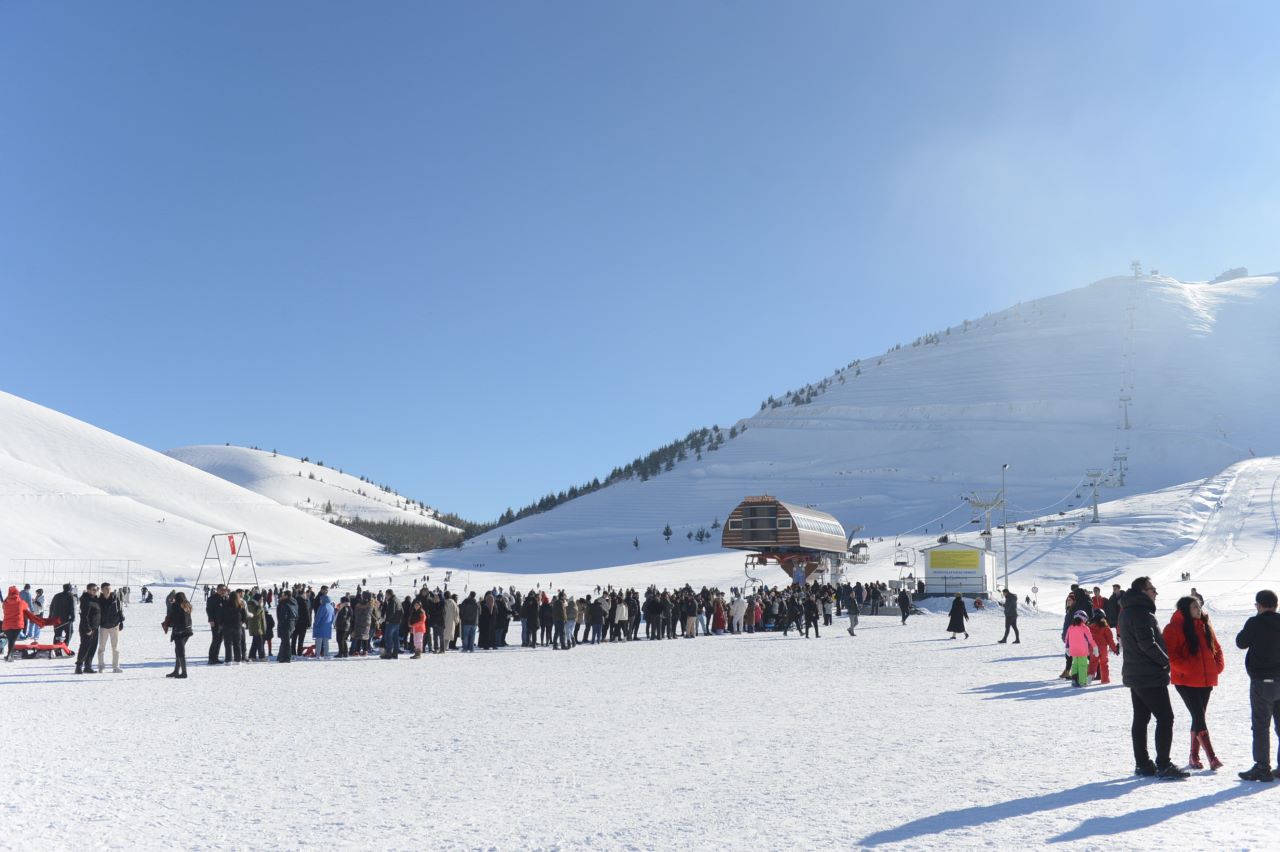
(1154, 381)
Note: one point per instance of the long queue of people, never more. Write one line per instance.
(248, 625)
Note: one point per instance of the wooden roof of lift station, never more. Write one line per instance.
(790, 534)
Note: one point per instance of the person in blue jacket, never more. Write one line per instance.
(322, 627)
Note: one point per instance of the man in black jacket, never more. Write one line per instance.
(1261, 635)
(1146, 673)
(286, 619)
(213, 611)
(90, 619)
(63, 608)
(1112, 606)
(1010, 618)
(304, 601)
(110, 626)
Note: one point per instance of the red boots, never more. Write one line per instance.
(1202, 737)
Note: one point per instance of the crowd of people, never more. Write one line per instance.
(1184, 653)
(251, 625)
(276, 620)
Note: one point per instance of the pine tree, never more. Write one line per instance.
(502, 544)
(635, 542)
(666, 532)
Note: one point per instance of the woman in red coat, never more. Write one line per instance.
(1195, 660)
(16, 616)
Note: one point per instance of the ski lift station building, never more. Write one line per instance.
(954, 567)
(796, 537)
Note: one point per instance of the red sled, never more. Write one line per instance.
(32, 650)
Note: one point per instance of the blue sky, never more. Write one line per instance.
(482, 251)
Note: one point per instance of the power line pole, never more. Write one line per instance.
(1004, 522)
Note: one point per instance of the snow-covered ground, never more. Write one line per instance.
(896, 738)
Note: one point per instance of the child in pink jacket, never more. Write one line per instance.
(1081, 647)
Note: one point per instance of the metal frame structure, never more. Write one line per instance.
(238, 543)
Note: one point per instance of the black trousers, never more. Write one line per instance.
(216, 645)
(62, 633)
(11, 636)
(88, 647)
(1009, 624)
(342, 643)
(1197, 700)
(811, 621)
(299, 640)
(1264, 703)
(1147, 702)
(905, 613)
(180, 654)
(257, 650)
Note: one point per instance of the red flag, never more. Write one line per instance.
(232, 539)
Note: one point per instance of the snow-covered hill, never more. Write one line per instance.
(1165, 381)
(69, 490)
(307, 486)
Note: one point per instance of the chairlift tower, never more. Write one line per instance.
(1125, 399)
(1095, 476)
(1121, 462)
(984, 502)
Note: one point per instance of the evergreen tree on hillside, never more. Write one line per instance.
(666, 532)
(635, 542)
(502, 544)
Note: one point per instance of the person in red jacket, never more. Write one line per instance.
(16, 616)
(1195, 660)
(1105, 638)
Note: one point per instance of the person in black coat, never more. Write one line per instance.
(232, 616)
(1010, 618)
(90, 620)
(300, 627)
(63, 608)
(178, 622)
(286, 621)
(1261, 635)
(811, 616)
(529, 637)
(213, 612)
(904, 604)
(1146, 673)
(958, 615)
(1112, 605)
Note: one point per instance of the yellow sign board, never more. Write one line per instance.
(956, 560)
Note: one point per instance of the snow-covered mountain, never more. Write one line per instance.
(1153, 381)
(72, 491)
(307, 486)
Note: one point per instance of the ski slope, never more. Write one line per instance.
(69, 490)
(1047, 386)
(307, 486)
